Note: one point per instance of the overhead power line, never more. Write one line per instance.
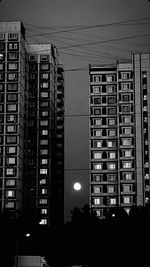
(78, 28)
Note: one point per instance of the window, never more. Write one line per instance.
(111, 100)
(44, 57)
(13, 46)
(9, 205)
(2, 66)
(44, 76)
(43, 221)
(111, 166)
(127, 200)
(2, 77)
(11, 107)
(111, 177)
(10, 193)
(12, 97)
(12, 66)
(2, 56)
(44, 123)
(10, 139)
(126, 109)
(43, 161)
(11, 150)
(13, 36)
(44, 211)
(44, 113)
(126, 130)
(111, 189)
(112, 121)
(10, 182)
(96, 78)
(44, 94)
(44, 85)
(32, 58)
(43, 181)
(12, 87)
(44, 171)
(13, 56)
(2, 46)
(127, 142)
(127, 165)
(112, 155)
(127, 153)
(126, 98)
(44, 142)
(43, 151)
(97, 189)
(44, 132)
(2, 36)
(97, 132)
(97, 155)
(97, 89)
(43, 201)
(127, 188)
(2, 87)
(10, 171)
(97, 122)
(44, 66)
(111, 143)
(111, 111)
(97, 100)
(97, 111)
(110, 88)
(125, 75)
(11, 128)
(11, 161)
(11, 118)
(113, 201)
(12, 77)
(110, 78)
(111, 132)
(97, 177)
(97, 166)
(97, 201)
(125, 86)
(97, 143)
(126, 119)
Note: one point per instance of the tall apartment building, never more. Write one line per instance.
(120, 134)
(28, 113)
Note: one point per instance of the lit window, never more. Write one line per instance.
(97, 201)
(13, 46)
(42, 182)
(110, 88)
(44, 66)
(111, 143)
(112, 155)
(10, 182)
(43, 171)
(127, 165)
(111, 132)
(97, 155)
(10, 205)
(11, 150)
(44, 123)
(10, 171)
(43, 201)
(126, 119)
(125, 86)
(44, 142)
(10, 161)
(111, 178)
(44, 85)
(10, 193)
(43, 211)
(126, 130)
(45, 76)
(127, 176)
(127, 153)
(44, 151)
(97, 132)
(44, 191)
(127, 200)
(98, 189)
(113, 201)
(127, 188)
(125, 75)
(97, 166)
(11, 118)
(44, 132)
(11, 129)
(43, 221)
(111, 166)
(44, 161)
(98, 122)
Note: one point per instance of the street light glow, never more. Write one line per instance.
(77, 186)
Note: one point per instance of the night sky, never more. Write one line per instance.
(86, 32)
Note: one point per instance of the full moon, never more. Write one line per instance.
(77, 186)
